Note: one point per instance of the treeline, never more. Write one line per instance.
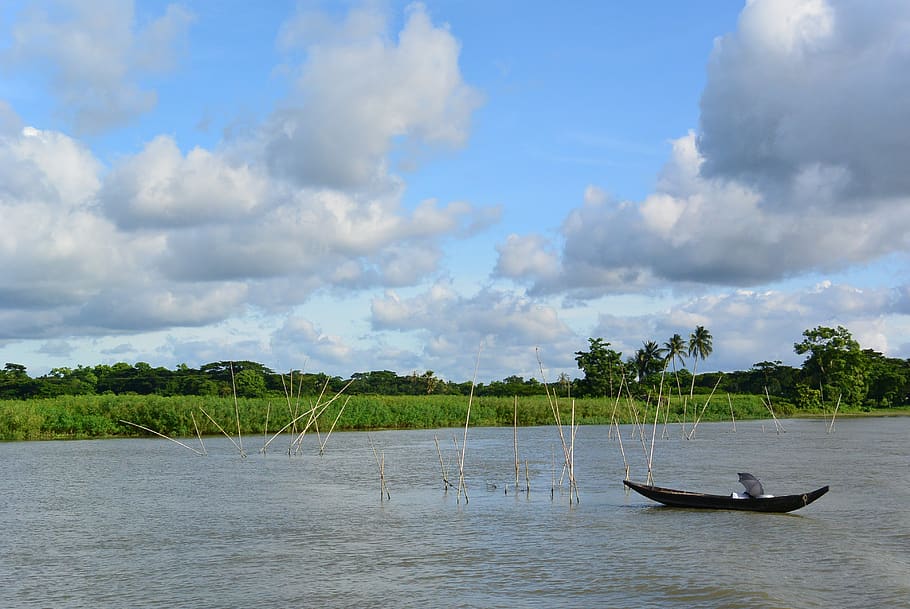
(836, 371)
(245, 379)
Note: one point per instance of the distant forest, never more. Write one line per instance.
(836, 370)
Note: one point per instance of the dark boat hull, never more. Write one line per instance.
(685, 499)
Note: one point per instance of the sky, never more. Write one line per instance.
(342, 187)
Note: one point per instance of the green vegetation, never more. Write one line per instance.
(91, 401)
(98, 416)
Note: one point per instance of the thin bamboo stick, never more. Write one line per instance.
(335, 422)
(314, 413)
(554, 408)
(442, 465)
(703, 408)
(553, 479)
(236, 410)
(573, 485)
(777, 425)
(527, 479)
(732, 416)
(198, 435)
(227, 435)
(467, 421)
(163, 436)
(653, 437)
(834, 414)
(265, 430)
(515, 439)
(380, 462)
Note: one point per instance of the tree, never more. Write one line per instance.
(249, 383)
(889, 380)
(701, 345)
(649, 359)
(835, 365)
(674, 351)
(602, 366)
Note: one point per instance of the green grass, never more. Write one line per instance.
(99, 416)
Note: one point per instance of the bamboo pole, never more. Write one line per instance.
(527, 479)
(777, 425)
(227, 435)
(553, 479)
(335, 422)
(703, 408)
(515, 439)
(834, 414)
(163, 436)
(314, 413)
(653, 437)
(442, 466)
(236, 410)
(467, 421)
(300, 416)
(637, 421)
(462, 488)
(554, 408)
(297, 442)
(265, 430)
(288, 395)
(380, 462)
(198, 435)
(614, 421)
(572, 484)
(732, 416)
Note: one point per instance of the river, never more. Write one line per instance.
(148, 523)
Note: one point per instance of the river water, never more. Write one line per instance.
(148, 523)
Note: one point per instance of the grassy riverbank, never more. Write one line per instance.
(70, 417)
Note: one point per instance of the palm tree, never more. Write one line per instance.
(647, 359)
(676, 350)
(700, 347)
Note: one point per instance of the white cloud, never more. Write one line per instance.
(506, 328)
(799, 165)
(159, 187)
(166, 238)
(94, 53)
(55, 248)
(751, 324)
(358, 91)
(809, 83)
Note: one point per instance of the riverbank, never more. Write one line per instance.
(76, 417)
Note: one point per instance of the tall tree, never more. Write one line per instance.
(675, 350)
(835, 364)
(648, 360)
(701, 345)
(602, 366)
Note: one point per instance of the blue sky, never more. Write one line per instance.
(350, 186)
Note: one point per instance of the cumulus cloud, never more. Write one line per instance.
(749, 324)
(159, 187)
(811, 86)
(799, 165)
(166, 237)
(94, 55)
(358, 90)
(55, 248)
(507, 328)
(307, 344)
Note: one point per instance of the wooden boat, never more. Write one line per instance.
(763, 503)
